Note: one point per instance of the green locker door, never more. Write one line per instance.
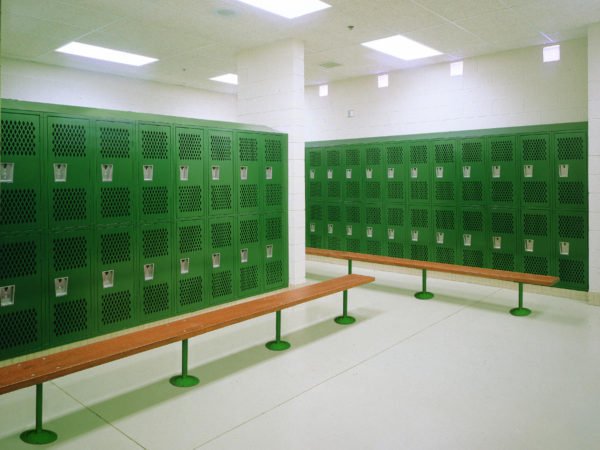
(314, 226)
(247, 172)
(68, 172)
(503, 173)
(534, 152)
(21, 294)
(249, 255)
(220, 260)
(444, 173)
(419, 175)
(190, 266)
(114, 178)
(189, 173)
(472, 172)
(114, 280)
(353, 221)
(395, 172)
(155, 201)
(154, 272)
(536, 242)
(335, 227)
(353, 177)
(374, 173)
(472, 240)
(502, 240)
(334, 175)
(275, 249)
(20, 174)
(315, 175)
(71, 312)
(274, 172)
(419, 233)
(220, 173)
(571, 172)
(395, 230)
(572, 248)
(445, 235)
(375, 232)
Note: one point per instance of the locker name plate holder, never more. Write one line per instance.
(269, 172)
(330, 174)
(497, 241)
(391, 172)
(108, 278)
(244, 255)
(269, 251)
(348, 173)
(7, 172)
(414, 172)
(184, 173)
(7, 295)
(369, 232)
(496, 171)
(60, 172)
(369, 173)
(439, 237)
(529, 245)
(148, 272)
(348, 230)
(312, 227)
(391, 234)
(216, 173)
(216, 260)
(564, 248)
(148, 172)
(467, 240)
(414, 235)
(243, 173)
(312, 174)
(330, 228)
(439, 172)
(466, 171)
(107, 172)
(528, 170)
(563, 171)
(61, 286)
(184, 265)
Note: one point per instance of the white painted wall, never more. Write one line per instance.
(22, 80)
(512, 88)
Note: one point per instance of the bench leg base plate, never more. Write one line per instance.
(424, 295)
(278, 346)
(184, 381)
(40, 437)
(344, 320)
(520, 311)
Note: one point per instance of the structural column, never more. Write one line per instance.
(594, 159)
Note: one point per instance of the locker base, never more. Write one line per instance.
(278, 346)
(38, 437)
(424, 295)
(344, 320)
(520, 311)
(184, 381)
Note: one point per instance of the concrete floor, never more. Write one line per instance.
(455, 372)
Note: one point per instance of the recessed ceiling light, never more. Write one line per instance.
(229, 78)
(552, 53)
(105, 54)
(402, 47)
(456, 69)
(289, 9)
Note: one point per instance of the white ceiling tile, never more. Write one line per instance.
(453, 10)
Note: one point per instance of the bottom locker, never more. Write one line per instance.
(334, 227)
(374, 230)
(189, 266)
(473, 241)
(249, 254)
(419, 232)
(536, 242)
(353, 224)
(571, 246)
(445, 234)
(502, 240)
(315, 226)
(395, 231)
(220, 262)
(275, 249)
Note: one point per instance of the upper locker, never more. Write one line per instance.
(395, 175)
(275, 250)
(220, 173)
(535, 174)
(314, 175)
(247, 172)
(373, 173)
(352, 174)
(419, 175)
(333, 173)
(571, 171)
(503, 172)
(444, 172)
(189, 172)
(472, 172)
(274, 174)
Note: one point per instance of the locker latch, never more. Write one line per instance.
(414, 172)
(369, 173)
(497, 241)
(148, 272)
(348, 230)
(467, 240)
(244, 255)
(216, 172)
(563, 170)
(529, 245)
(269, 172)
(60, 172)
(107, 172)
(148, 172)
(391, 234)
(439, 172)
(312, 227)
(108, 278)
(528, 170)
(495, 171)
(348, 173)
(330, 228)
(369, 232)
(564, 248)
(216, 260)
(390, 172)
(7, 172)
(439, 237)
(330, 173)
(312, 174)
(61, 286)
(184, 265)
(270, 251)
(466, 171)
(243, 172)
(414, 235)
(184, 172)
(7, 295)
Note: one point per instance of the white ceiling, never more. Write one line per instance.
(195, 42)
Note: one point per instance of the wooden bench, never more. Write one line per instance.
(46, 368)
(517, 277)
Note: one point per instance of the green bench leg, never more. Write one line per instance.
(278, 344)
(38, 436)
(345, 319)
(184, 380)
(424, 295)
(520, 311)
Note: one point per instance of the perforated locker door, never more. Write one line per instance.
(472, 239)
(502, 239)
(419, 172)
(503, 172)
(114, 180)
(154, 271)
(249, 255)
(114, 278)
(68, 172)
(315, 219)
(155, 200)
(274, 246)
(374, 231)
(352, 174)
(444, 172)
(20, 174)
(334, 174)
(571, 171)
(220, 260)
(472, 172)
(334, 227)
(190, 266)
(419, 233)
(315, 175)
(189, 173)
(395, 160)
(572, 249)
(274, 172)
(445, 234)
(21, 294)
(536, 243)
(248, 173)
(220, 173)
(395, 230)
(535, 171)
(353, 224)
(374, 173)
(70, 310)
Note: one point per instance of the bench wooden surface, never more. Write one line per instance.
(39, 370)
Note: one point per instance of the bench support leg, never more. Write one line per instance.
(38, 436)
(278, 344)
(424, 295)
(184, 380)
(520, 311)
(345, 319)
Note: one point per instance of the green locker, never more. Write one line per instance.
(375, 233)
(572, 248)
(155, 202)
(419, 172)
(274, 172)
(249, 254)
(395, 172)
(114, 172)
(246, 173)
(68, 172)
(20, 173)
(502, 172)
(571, 171)
(335, 227)
(21, 301)
(374, 173)
(220, 260)
(154, 272)
(395, 231)
(444, 172)
(472, 172)
(71, 312)
(353, 226)
(190, 266)
(275, 250)
(419, 233)
(114, 279)
(353, 177)
(536, 242)
(534, 151)
(445, 235)
(220, 173)
(315, 226)
(334, 175)
(189, 173)
(472, 240)
(502, 239)
(315, 175)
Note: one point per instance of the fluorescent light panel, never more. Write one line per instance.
(552, 53)
(324, 90)
(229, 78)
(401, 47)
(290, 9)
(105, 54)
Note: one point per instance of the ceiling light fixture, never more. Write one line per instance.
(552, 53)
(105, 54)
(229, 78)
(290, 9)
(401, 47)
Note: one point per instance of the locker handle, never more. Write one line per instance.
(108, 278)
(107, 172)
(7, 172)
(61, 286)
(7, 295)
(60, 172)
